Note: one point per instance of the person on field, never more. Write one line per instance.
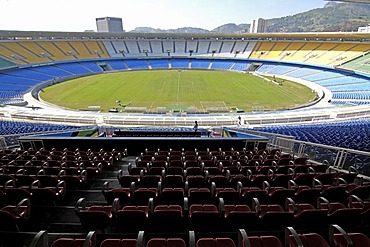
(196, 126)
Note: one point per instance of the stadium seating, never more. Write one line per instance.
(166, 193)
(328, 133)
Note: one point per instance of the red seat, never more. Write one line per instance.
(126, 180)
(272, 215)
(172, 196)
(168, 218)
(93, 217)
(344, 239)
(264, 241)
(150, 181)
(280, 180)
(193, 171)
(358, 240)
(239, 217)
(176, 161)
(162, 155)
(306, 214)
(257, 241)
(47, 195)
(191, 163)
(326, 178)
(12, 217)
(74, 181)
(349, 176)
(195, 181)
(212, 171)
(230, 195)
(142, 163)
(173, 181)
(204, 217)
(219, 180)
(248, 193)
(292, 239)
(166, 242)
(339, 213)
(14, 194)
(258, 179)
(69, 242)
(175, 170)
(119, 243)
(142, 195)
(303, 178)
(215, 242)
(334, 193)
(199, 195)
(154, 170)
(305, 194)
(362, 191)
(234, 179)
(110, 194)
(132, 218)
(277, 195)
(159, 163)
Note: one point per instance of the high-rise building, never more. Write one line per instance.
(109, 25)
(258, 26)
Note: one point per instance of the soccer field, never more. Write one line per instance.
(175, 89)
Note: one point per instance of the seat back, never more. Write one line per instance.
(119, 243)
(215, 242)
(166, 242)
(132, 218)
(264, 241)
(69, 242)
(204, 217)
(358, 240)
(95, 217)
(309, 240)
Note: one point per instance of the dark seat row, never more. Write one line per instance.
(118, 155)
(224, 217)
(337, 238)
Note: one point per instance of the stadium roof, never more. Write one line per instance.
(38, 35)
(351, 1)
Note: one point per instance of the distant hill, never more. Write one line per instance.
(232, 28)
(227, 28)
(178, 30)
(334, 17)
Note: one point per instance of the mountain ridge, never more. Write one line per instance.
(333, 17)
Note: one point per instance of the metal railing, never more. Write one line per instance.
(338, 158)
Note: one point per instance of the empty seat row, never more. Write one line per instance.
(338, 237)
(14, 217)
(47, 194)
(224, 217)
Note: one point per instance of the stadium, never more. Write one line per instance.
(99, 146)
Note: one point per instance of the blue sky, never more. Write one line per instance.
(79, 15)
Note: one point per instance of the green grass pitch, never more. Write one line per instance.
(185, 88)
